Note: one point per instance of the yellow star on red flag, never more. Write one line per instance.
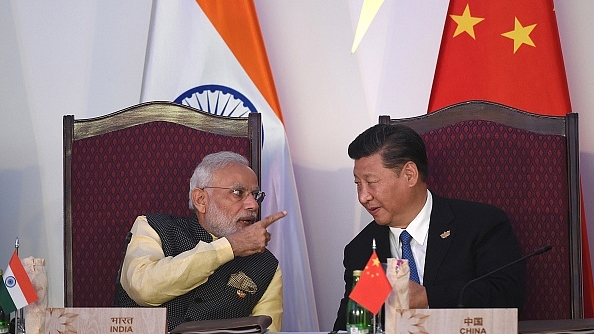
(520, 35)
(466, 22)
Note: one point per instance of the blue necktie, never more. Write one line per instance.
(407, 254)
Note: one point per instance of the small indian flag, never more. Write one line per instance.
(16, 290)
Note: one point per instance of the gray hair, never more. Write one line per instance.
(211, 163)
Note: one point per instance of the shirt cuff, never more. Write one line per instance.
(223, 250)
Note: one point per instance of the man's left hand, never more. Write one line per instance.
(417, 295)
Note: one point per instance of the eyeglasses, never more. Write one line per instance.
(242, 194)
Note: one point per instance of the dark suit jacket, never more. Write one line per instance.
(480, 240)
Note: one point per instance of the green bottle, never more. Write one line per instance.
(358, 320)
(4, 318)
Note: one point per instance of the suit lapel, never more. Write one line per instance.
(382, 242)
(438, 238)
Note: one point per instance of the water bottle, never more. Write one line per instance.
(358, 320)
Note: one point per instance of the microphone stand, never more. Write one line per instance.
(538, 251)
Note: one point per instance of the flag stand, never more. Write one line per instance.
(377, 326)
(373, 322)
(19, 323)
(377, 323)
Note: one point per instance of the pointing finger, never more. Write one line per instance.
(272, 218)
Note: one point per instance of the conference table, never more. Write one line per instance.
(149, 320)
(583, 326)
(563, 326)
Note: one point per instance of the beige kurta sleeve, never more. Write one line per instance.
(151, 279)
(271, 303)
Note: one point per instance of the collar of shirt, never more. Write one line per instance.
(418, 229)
(419, 226)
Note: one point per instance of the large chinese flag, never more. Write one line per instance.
(506, 51)
(210, 54)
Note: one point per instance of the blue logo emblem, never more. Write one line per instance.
(218, 100)
(10, 281)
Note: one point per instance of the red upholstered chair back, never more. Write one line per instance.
(135, 161)
(527, 165)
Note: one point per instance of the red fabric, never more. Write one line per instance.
(508, 52)
(489, 67)
(373, 287)
(483, 161)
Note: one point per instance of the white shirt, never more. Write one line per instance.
(418, 229)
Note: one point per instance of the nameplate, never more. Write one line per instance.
(72, 320)
(463, 321)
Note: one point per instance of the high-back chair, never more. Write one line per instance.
(128, 163)
(527, 165)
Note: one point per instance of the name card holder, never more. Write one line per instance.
(463, 321)
(141, 320)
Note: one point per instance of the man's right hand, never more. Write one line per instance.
(254, 238)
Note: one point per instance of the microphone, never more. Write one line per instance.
(536, 252)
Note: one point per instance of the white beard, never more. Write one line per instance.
(220, 224)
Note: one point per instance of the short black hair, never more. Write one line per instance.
(397, 145)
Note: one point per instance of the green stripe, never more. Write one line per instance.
(5, 300)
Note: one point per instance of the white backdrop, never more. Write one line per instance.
(86, 58)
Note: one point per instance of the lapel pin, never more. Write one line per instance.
(445, 234)
(243, 284)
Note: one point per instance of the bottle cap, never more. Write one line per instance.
(357, 272)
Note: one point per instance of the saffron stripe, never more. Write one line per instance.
(23, 281)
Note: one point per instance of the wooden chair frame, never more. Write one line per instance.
(76, 129)
(566, 126)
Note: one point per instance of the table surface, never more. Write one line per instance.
(582, 326)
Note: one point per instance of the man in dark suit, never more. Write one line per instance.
(453, 241)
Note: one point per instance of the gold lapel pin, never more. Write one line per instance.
(445, 234)
(243, 284)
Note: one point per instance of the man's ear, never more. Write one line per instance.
(200, 200)
(410, 172)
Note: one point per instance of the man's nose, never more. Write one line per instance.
(363, 195)
(251, 203)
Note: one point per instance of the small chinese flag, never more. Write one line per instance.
(373, 287)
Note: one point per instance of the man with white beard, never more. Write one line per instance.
(214, 264)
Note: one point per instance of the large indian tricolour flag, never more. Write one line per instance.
(204, 51)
